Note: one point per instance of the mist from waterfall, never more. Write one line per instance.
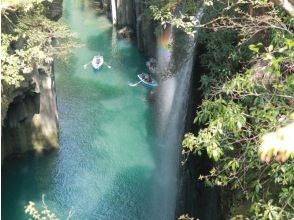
(171, 108)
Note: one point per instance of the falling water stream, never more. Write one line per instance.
(111, 163)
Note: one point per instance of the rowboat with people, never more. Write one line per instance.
(147, 79)
(97, 62)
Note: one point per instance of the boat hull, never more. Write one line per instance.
(95, 65)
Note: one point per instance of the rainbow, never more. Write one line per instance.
(165, 37)
(164, 49)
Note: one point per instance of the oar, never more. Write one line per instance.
(107, 65)
(85, 66)
(135, 84)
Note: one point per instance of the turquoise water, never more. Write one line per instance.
(106, 165)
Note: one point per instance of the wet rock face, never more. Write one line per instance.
(125, 13)
(146, 38)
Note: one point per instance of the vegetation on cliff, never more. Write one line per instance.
(29, 40)
(248, 97)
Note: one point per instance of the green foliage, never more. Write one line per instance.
(240, 107)
(162, 15)
(35, 42)
(164, 11)
(248, 92)
(10, 64)
(221, 58)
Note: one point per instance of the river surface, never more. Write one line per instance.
(106, 167)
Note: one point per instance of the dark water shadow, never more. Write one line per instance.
(31, 171)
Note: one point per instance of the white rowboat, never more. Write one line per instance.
(97, 62)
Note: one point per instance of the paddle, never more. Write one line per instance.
(107, 65)
(86, 65)
(135, 84)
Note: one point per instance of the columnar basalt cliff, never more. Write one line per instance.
(134, 15)
(193, 197)
(29, 116)
(31, 120)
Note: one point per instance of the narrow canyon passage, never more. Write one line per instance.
(106, 167)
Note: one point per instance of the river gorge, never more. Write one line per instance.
(119, 146)
(147, 109)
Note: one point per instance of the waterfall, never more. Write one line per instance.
(113, 12)
(171, 109)
(175, 55)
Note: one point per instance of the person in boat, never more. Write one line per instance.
(98, 58)
(147, 78)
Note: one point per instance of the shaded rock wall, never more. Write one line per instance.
(30, 118)
(194, 197)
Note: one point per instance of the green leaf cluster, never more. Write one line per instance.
(248, 92)
(164, 12)
(29, 41)
(36, 41)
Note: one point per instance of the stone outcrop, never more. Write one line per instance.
(29, 117)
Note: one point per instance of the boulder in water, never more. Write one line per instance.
(126, 33)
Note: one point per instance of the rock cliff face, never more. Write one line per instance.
(134, 15)
(193, 197)
(30, 118)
